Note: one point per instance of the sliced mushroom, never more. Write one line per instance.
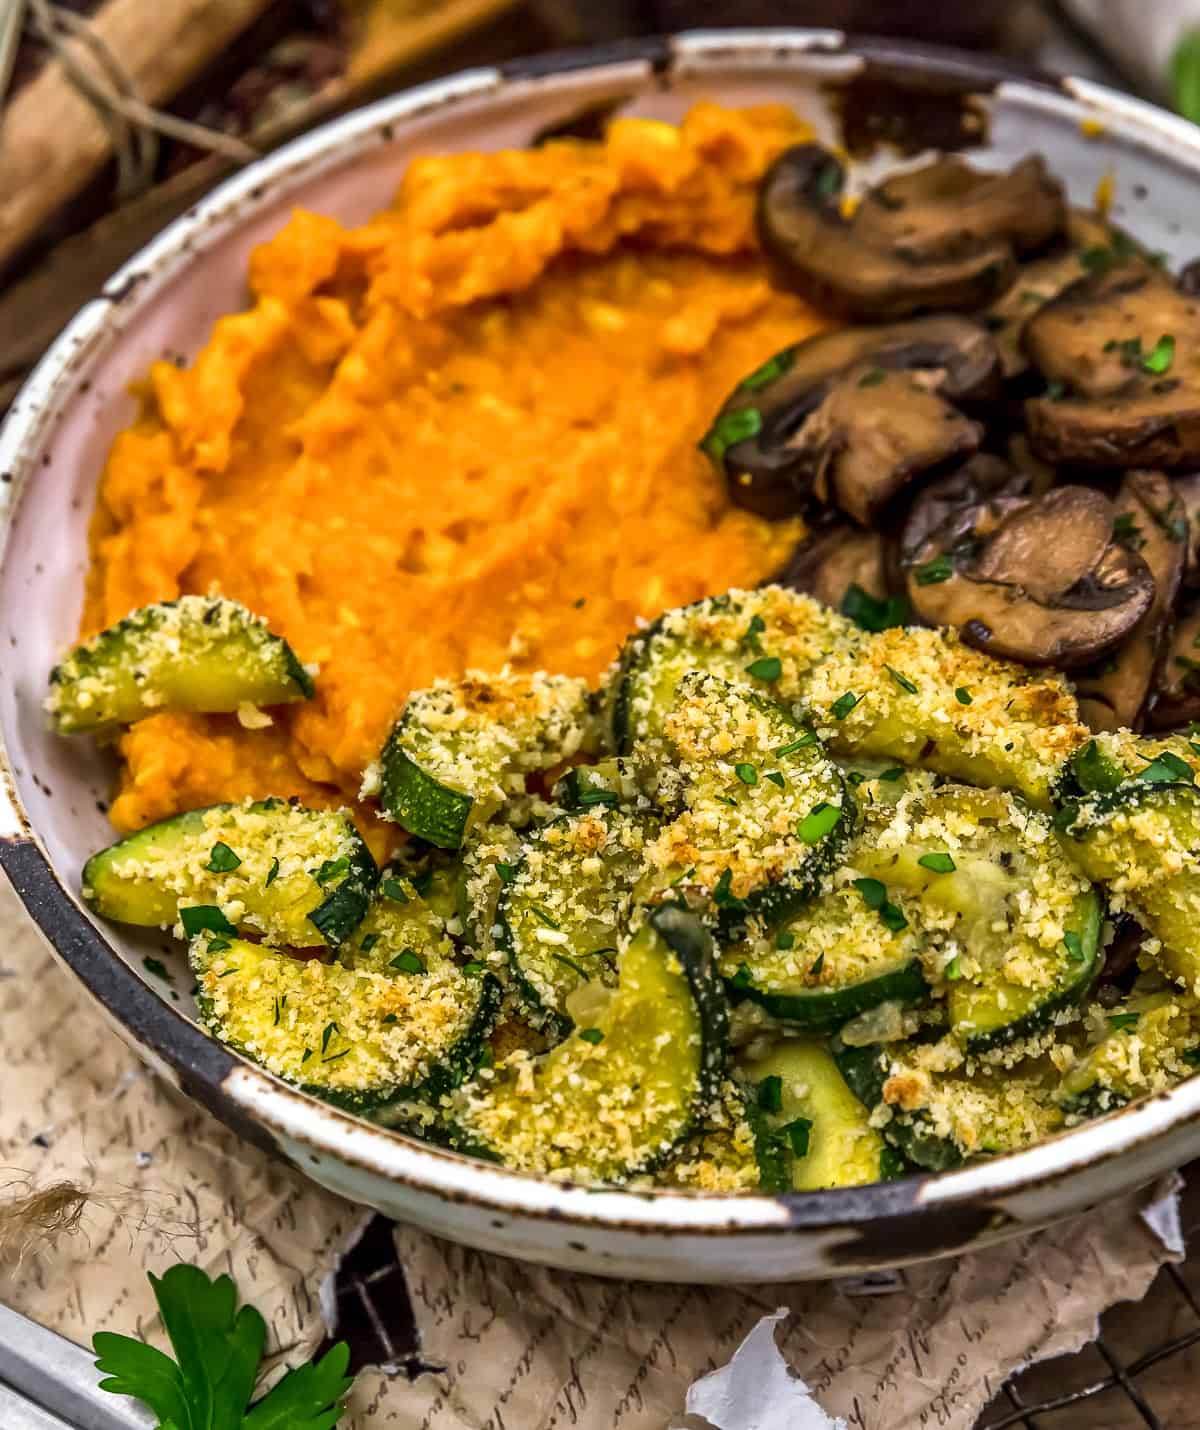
(1046, 583)
(829, 562)
(1120, 349)
(944, 236)
(1021, 455)
(1150, 521)
(968, 504)
(1187, 489)
(1090, 244)
(1177, 697)
(849, 417)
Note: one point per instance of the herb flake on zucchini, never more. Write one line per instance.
(1147, 1043)
(297, 876)
(460, 749)
(199, 653)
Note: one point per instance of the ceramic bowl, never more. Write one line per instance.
(885, 102)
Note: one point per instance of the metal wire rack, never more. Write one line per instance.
(1105, 1384)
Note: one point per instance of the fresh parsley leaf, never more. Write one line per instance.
(962, 695)
(272, 874)
(843, 705)
(797, 1133)
(747, 773)
(728, 430)
(218, 945)
(901, 680)
(930, 573)
(873, 891)
(394, 889)
(197, 918)
(587, 797)
(507, 872)
(766, 667)
(591, 1035)
(474, 968)
(818, 964)
(369, 941)
(1119, 1022)
(872, 377)
(332, 869)
(937, 863)
(808, 738)
(776, 778)
(755, 629)
(722, 895)
(897, 772)
(158, 968)
(766, 374)
(1160, 357)
(222, 859)
(1167, 768)
(326, 1033)
(307, 1397)
(742, 978)
(785, 939)
(770, 1093)
(870, 612)
(1094, 770)
(953, 970)
(408, 962)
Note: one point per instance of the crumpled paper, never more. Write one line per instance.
(511, 1346)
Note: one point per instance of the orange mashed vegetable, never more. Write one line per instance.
(461, 435)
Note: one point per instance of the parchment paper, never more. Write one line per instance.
(514, 1347)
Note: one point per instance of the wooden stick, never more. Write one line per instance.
(52, 139)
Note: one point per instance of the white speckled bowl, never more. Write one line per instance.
(165, 301)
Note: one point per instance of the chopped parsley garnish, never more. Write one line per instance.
(408, 962)
(543, 916)
(422, 883)
(747, 773)
(369, 942)
(333, 1057)
(766, 667)
(1094, 770)
(1126, 530)
(797, 1133)
(843, 705)
(327, 1033)
(890, 776)
(308, 1052)
(722, 896)
(818, 964)
(753, 631)
(591, 1035)
(332, 869)
(818, 822)
(218, 945)
(872, 377)
(953, 970)
(1160, 357)
(901, 680)
(158, 967)
(278, 1010)
(597, 796)
(199, 918)
(770, 1093)
(1167, 768)
(808, 738)
(1119, 1022)
(570, 963)
(474, 968)
(856, 778)
(874, 894)
(785, 939)
(1055, 390)
(773, 367)
(507, 872)
(776, 778)
(962, 695)
(272, 874)
(1097, 258)
(681, 878)
(726, 799)
(937, 863)
(222, 859)
(394, 889)
(870, 612)
(1074, 944)
(728, 430)
(228, 971)
(930, 573)
(743, 978)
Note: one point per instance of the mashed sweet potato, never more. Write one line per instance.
(463, 434)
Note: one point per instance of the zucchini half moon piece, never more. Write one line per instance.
(360, 1036)
(460, 749)
(615, 1098)
(981, 873)
(301, 877)
(198, 653)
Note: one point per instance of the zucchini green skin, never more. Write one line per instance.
(668, 984)
(419, 803)
(589, 787)
(968, 1005)
(203, 654)
(823, 1010)
(1167, 1028)
(177, 847)
(908, 1133)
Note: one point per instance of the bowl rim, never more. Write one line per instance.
(263, 1108)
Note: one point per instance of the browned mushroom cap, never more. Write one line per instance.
(1149, 520)
(1177, 694)
(1120, 350)
(848, 417)
(1090, 244)
(1187, 489)
(1046, 584)
(965, 505)
(831, 560)
(942, 236)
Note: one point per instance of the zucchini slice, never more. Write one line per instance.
(938, 1110)
(827, 964)
(722, 1154)
(409, 1026)
(566, 909)
(300, 877)
(766, 813)
(461, 749)
(617, 1097)
(1148, 1043)
(982, 875)
(611, 782)
(1140, 840)
(812, 1130)
(199, 653)
(920, 697)
(767, 639)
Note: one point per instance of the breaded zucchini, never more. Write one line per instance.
(1146, 1044)
(200, 653)
(297, 876)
